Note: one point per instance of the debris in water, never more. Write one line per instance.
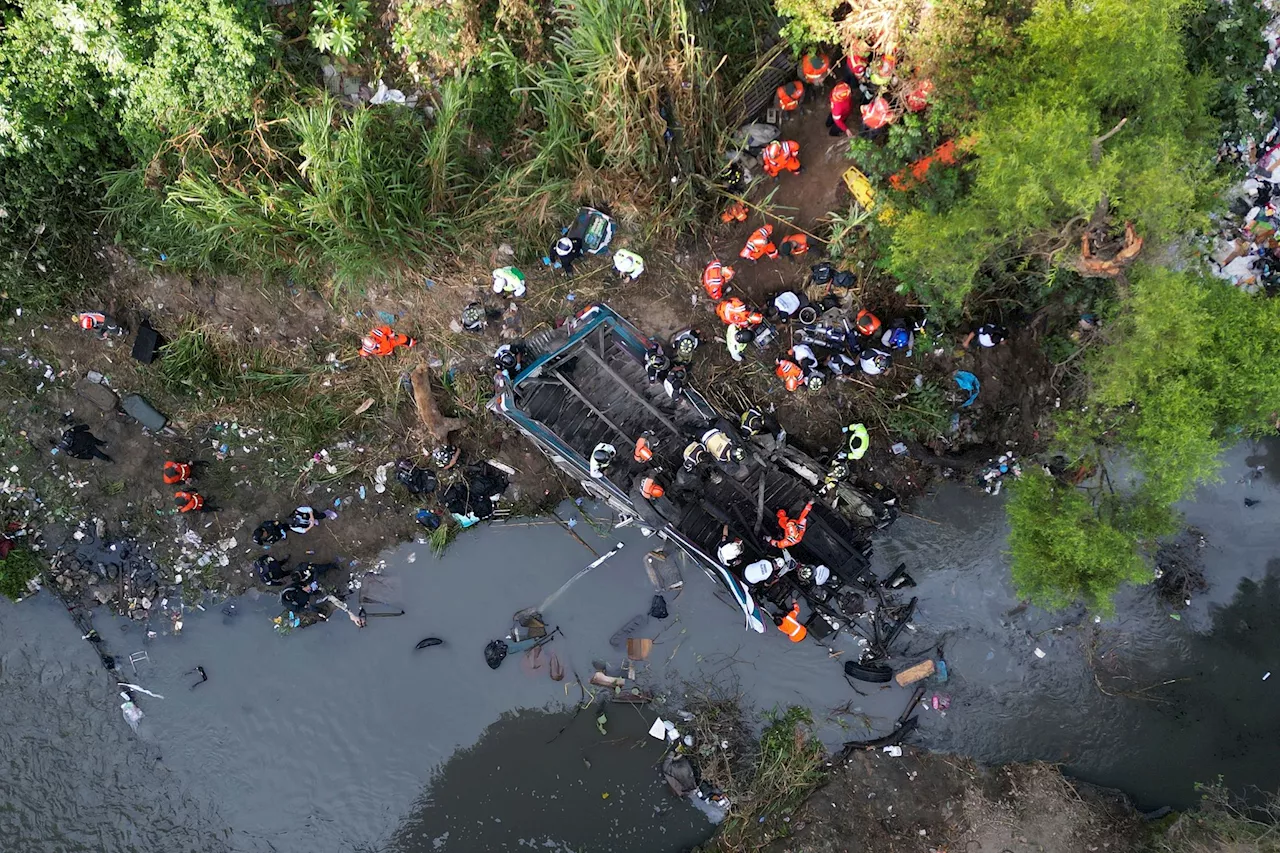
(1039, 652)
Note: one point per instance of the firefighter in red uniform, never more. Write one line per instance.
(714, 277)
(759, 244)
(176, 472)
(792, 528)
(782, 155)
(734, 312)
(188, 501)
(382, 341)
(841, 110)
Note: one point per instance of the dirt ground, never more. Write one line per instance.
(922, 802)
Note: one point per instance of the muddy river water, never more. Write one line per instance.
(336, 740)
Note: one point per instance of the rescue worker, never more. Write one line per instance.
(98, 323)
(857, 443)
(445, 456)
(781, 155)
(790, 96)
(918, 98)
(656, 363)
(815, 68)
(296, 599)
(857, 61)
(269, 533)
(883, 74)
(790, 625)
(874, 362)
(382, 341)
(601, 458)
(899, 334)
(675, 380)
(737, 340)
(627, 264)
(508, 358)
(188, 501)
(644, 447)
(650, 489)
(176, 472)
(793, 245)
(752, 422)
(303, 520)
(508, 282)
(271, 571)
(307, 574)
(758, 572)
(790, 373)
(814, 380)
(472, 318)
(695, 454)
(735, 312)
(721, 447)
(866, 323)
(684, 343)
(729, 551)
(841, 110)
(802, 354)
(876, 114)
(841, 364)
(792, 528)
(736, 212)
(837, 471)
(759, 245)
(79, 443)
(564, 252)
(714, 278)
(988, 335)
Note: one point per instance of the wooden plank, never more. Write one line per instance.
(666, 422)
(912, 674)
(626, 439)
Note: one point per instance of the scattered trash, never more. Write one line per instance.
(967, 382)
(638, 648)
(1266, 675)
(429, 642)
(898, 448)
(658, 729)
(1039, 653)
(912, 674)
(893, 751)
(600, 724)
(658, 607)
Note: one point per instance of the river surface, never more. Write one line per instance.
(345, 740)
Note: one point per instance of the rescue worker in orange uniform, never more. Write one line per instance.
(868, 324)
(791, 374)
(780, 155)
(382, 341)
(790, 625)
(644, 448)
(714, 277)
(814, 68)
(792, 528)
(759, 245)
(188, 501)
(877, 114)
(790, 96)
(650, 489)
(793, 245)
(176, 472)
(98, 323)
(734, 312)
(736, 212)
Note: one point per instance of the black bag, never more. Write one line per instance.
(495, 653)
(658, 609)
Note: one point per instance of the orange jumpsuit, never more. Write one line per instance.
(382, 341)
(714, 277)
(781, 155)
(736, 212)
(792, 528)
(791, 626)
(188, 501)
(734, 312)
(176, 472)
(759, 244)
(790, 96)
(814, 68)
(794, 245)
(791, 375)
(643, 451)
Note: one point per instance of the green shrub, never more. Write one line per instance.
(20, 566)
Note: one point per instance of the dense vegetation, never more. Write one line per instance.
(216, 136)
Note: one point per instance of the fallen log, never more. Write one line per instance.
(437, 425)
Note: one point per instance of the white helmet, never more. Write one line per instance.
(758, 572)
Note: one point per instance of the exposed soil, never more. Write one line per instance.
(923, 802)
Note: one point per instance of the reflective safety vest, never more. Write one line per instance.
(509, 281)
(188, 501)
(858, 61)
(790, 96)
(867, 323)
(644, 451)
(650, 489)
(791, 375)
(736, 212)
(736, 347)
(694, 454)
(714, 277)
(792, 528)
(781, 155)
(859, 441)
(877, 114)
(718, 444)
(884, 69)
(760, 244)
(628, 263)
(814, 68)
(736, 313)
(176, 472)
(791, 626)
(794, 245)
(382, 341)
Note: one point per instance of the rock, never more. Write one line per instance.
(99, 395)
(103, 594)
(138, 614)
(146, 603)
